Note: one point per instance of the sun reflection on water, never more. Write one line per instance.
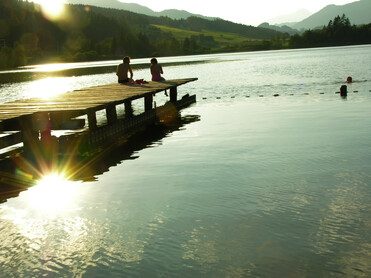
(47, 88)
(52, 193)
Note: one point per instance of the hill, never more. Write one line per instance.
(183, 19)
(136, 8)
(358, 12)
(297, 16)
(281, 28)
(209, 39)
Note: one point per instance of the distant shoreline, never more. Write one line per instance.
(114, 62)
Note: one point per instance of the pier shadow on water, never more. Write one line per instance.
(21, 172)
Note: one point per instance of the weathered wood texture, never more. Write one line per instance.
(79, 102)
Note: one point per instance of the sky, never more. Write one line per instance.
(250, 12)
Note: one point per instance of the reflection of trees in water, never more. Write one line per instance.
(19, 173)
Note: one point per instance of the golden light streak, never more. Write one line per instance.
(51, 9)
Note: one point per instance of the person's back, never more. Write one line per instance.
(156, 70)
(123, 69)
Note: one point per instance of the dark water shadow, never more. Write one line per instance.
(26, 76)
(20, 173)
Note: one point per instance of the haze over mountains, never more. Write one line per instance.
(288, 19)
(358, 12)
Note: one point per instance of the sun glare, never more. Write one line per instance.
(52, 9)
(53, 192)
(48, 87)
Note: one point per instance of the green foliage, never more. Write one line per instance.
(338, 32)
(6, 57)
(92, 33)
(10, 57)
(197, 24)
(206, 38)
(88, 33)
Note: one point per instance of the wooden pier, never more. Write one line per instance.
(31, 121)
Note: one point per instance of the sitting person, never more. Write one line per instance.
(156, 70)
(123, 69)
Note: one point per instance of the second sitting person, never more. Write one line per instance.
(123, 69)
(156, 70)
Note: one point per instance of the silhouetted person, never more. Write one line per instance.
(123, 69)
(156, 70)
(343, 90)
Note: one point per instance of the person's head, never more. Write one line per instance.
(126, 59)
(349, 79)
(153, 61)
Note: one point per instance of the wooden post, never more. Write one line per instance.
(148, 99)
(111, 113)
(128, 110)
(173, 94)
(44, 126)
(30, 135)
(92, 120)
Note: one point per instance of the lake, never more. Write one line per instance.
(248, 184)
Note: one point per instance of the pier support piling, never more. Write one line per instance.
(111, 114)
(173, 94)
(148, 100)
(128, 110)
(30, 135)
(92, 120)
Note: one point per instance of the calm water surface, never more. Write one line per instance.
(250, 185)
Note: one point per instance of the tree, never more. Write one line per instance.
(338, 32)
(5, 56)
(186, 46)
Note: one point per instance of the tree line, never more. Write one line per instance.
(339, 31)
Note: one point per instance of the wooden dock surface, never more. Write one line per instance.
(84, 100)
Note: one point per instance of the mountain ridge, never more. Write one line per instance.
(137, 8)
(296, 16)
(358, 13)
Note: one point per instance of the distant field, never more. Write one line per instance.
(221, 37)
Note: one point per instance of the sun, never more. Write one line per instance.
(52, 9)
(52, 193)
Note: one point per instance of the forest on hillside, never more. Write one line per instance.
(339, 31)
(91, 33)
